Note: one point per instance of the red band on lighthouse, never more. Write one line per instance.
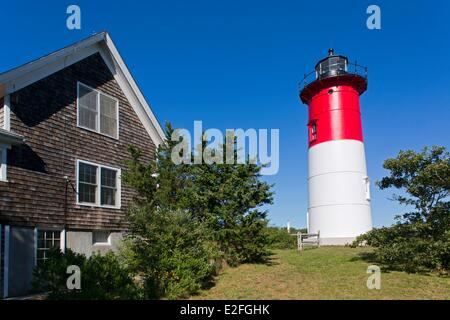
(334, 114)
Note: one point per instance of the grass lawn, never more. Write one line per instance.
(324, 273)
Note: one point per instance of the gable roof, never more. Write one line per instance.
(20, 77)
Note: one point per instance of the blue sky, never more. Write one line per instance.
(236, 64)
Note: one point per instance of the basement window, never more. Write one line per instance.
(98, 185)
(97, 111)
(101, 238)
(46, 239)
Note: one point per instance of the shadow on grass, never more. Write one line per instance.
(208, 284)
(370, 257)
(267, 260)
(366, 256)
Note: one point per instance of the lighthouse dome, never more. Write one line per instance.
(334, 70)
(331, 66)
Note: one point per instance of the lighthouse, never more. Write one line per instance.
(338, 185)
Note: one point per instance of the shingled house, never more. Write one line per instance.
(66, 121)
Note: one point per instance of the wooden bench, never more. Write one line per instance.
(307, 239)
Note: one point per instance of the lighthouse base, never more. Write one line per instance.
(339, 225)
(336, 241)
(339, 192)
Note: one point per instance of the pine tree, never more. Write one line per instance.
(186, 216)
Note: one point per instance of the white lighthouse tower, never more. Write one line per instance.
(339, 194)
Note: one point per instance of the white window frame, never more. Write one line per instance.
(7, 113)
(312, 131)
(98, 191)
(36, 239)
(99, 93)
(107, 243)
(3, 163)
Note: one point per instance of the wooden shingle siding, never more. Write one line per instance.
(2, 105)
(45, 114)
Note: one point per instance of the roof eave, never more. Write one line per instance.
(11, 139)
(20, 77)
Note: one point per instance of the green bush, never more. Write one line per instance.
(243, 240)
(186, 218)
(421, 238)
(278, 238)
(102, 277)
(169, 253)
(228, 198)
(407, 247)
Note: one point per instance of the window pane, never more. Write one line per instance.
(108, 116)
(100, 237)
(88, 112)
(108, 187)
(87, 173)
(86, 193)
(108, 126)
(87, 183)
(108, 106)
(109, 177)
(88, 118)
(46, 239)
(40, 254)
(56, 235)
(108, 196)
(57, 243)
(88, 98)
(41, 243)
(48, 243)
